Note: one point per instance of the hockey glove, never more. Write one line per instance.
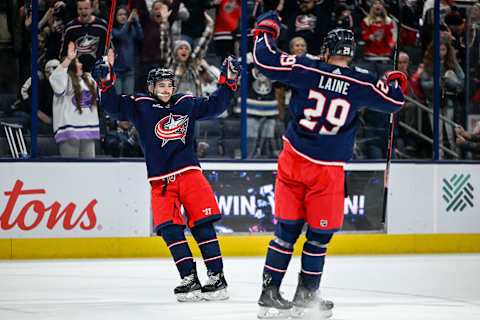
(397, 76)
(103, 75)
(269, 22)
(229, 72)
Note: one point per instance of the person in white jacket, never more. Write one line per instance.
(75, 114)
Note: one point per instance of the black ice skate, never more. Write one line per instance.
(189, 289)
(216, 287)
(308, 305)
(272, 305)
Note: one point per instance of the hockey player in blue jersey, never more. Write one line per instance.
(165, 124)
(318, 142)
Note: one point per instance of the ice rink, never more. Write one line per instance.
(427, 287)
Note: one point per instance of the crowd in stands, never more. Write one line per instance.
(192, 37)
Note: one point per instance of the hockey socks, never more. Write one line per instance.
(207, 241)
(280, 250)
(313, 258)
(278, 257)
(174, 237)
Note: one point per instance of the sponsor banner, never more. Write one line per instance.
(111, 199)
(49, 200)
(458, 199)
(434, 198)
(247, 202)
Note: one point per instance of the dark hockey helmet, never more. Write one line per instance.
(157, 74)
(340, 42)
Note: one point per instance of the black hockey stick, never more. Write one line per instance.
(391, 124)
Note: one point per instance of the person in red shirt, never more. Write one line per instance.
(226, 22)
(377, 32)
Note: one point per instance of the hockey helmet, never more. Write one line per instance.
(340, 42)
(158, 74)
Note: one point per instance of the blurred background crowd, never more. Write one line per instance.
(192, 37)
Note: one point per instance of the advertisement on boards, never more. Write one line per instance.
(434, 198)
(112, 199)
(247, 200)
(70, 200)
(458, 199)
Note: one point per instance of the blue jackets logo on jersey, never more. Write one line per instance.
(87, 44)
(172, 127)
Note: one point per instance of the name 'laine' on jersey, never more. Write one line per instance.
(333, 84)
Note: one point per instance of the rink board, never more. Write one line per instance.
(97, 209)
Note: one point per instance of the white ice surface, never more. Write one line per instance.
(427, 287)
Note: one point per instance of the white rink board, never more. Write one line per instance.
(434, 198)
(116, 194)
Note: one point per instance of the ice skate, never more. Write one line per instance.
(272, 305)
(307, 304)
(189, 289)
(216, 287)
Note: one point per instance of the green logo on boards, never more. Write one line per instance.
(458, 192)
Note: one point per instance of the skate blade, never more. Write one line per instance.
(192, 296)
(273, 313)
(310, 313)
(218, 295)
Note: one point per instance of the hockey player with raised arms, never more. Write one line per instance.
(165, 124)
(318, 142)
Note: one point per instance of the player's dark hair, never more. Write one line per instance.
(77, 89)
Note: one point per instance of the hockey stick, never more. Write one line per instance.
(108, 40)
(391, 124)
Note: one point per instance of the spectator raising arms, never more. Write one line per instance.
(75, 116)
(88, 33)
(125, 34)
(184, 62)
(377, 33)
(154, 23)
(194, 25)
(226, 23)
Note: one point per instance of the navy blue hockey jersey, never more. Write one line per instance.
(325, 100)
(166, 131)
(89, 39)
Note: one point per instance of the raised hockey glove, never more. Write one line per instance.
(229, 72)
(397, 76)
(103, 75)
(269, 22)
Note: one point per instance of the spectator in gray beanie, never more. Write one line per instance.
(184, 61)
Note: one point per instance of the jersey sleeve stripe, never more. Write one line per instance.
(363, 83)
(99, 26)
(144, 98)
(268, 67)
(72, 27)
(185, 96)
(268, 45)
